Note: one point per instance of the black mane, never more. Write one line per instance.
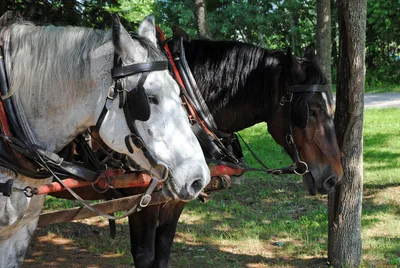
(230, 71)
(245, 81)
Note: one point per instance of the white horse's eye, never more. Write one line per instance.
(153, 100)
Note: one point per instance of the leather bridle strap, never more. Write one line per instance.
(124, 71)
(307, 88)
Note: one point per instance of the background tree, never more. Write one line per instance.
(323, 37)
(344, 205)
(200, 13)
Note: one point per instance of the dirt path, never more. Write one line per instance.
(382, 100)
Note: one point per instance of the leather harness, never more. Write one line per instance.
(20, 155)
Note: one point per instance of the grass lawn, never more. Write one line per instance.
(385, 88)
(267, 221)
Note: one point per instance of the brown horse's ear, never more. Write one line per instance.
(178, 32)
(311, 53)
(297, 72)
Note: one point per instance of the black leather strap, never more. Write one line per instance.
(123, 71)
(308, 88)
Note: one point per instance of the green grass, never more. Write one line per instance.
(270, 221)
(384, 88)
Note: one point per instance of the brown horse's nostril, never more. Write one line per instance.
(329, 184)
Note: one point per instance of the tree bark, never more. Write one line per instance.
(324, 37)
(200, 14)
(344, 205)
(70, 13)
(2, 7)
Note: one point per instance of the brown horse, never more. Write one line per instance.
(243, 85)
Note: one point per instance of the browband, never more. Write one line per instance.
(128, 70)
(308, 88)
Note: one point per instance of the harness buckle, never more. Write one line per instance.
(121, 85)
(145, 201)
(289, 139)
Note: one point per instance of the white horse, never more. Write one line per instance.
(61, 77)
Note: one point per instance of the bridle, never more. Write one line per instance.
(300, 167)
(130, 100)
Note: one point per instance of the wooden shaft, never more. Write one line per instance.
(77, 213)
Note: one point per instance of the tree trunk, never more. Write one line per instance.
(2, 7)
(70, 13)
(200, 14)
(324, 37)
(344, 205)
(295, 30)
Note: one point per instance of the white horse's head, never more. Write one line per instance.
(158, 116)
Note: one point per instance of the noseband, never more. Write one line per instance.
(134, 101)
(301, 167)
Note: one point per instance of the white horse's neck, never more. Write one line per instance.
(57, 117)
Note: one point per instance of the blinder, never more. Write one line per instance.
(135, 99)
(300, 108)
(300, 114)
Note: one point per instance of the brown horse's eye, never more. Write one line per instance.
(312, 113)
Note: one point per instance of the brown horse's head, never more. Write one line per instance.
(303, 124)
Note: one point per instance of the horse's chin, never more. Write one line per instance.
(171, 194)
(168, 192)
(309, 183)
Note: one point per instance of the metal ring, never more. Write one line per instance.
(107, 182)
(28, 191)
(165, 173)
(306, 168)
(111, 90)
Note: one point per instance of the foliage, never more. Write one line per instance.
(383, 47)
(91, 13)
(273, 24)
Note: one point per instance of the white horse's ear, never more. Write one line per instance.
(147, 29)
(121, 38)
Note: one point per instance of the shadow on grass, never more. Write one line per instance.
(198, 256)
(79, 245)
(376, 151)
